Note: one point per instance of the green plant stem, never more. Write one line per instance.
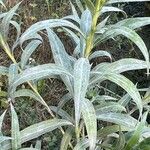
(8, 52)
(89, 41)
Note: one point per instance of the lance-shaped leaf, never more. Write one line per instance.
(74, 11)
(81, 81)
(100, 53)
(118, 118)
(6, 20)
(79, 4)
(15, 131)
(27, 52)
(89, 117)
(52, 23)
(134, 23)
(61, 57)
(122, 65)
(36, 73)
(4, 70)
(29, 93)
(111, 9)
(103, 132)
(126, 84)
(18, 29)
(102, 24)
(85, 26)
(130, 34)
(122, 1)
(41, 128)
(66, 139)
(86, 22)
(13, 72)
(109, 107)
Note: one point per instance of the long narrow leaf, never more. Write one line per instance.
(15, 131)
(118, 118)
(81, 81)
(89, 117)
(41, 128)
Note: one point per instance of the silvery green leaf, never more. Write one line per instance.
(109, 107)
(134, 23)
(27, 52)
(80, 6)
(66, 139)
(102, 24)
(100, 53)
(15, 131)
(4, 70)
(74, 12)
(6, 20)
(85, 26)
(89, 117)
(125, 100)
(82, 145)
(18, 29)
(13, 72)
(71, 17)
(126, 84)
(86, 22)
(62, 114)
(130, 34)
(103, 132)
(111, 9)
(100, 98)
(41, 128)
(36, 73)
(122, 1)
(81, 81)
(118, 118)
(29, 93)
(122, 65)
(52, 23)
(61, 57)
